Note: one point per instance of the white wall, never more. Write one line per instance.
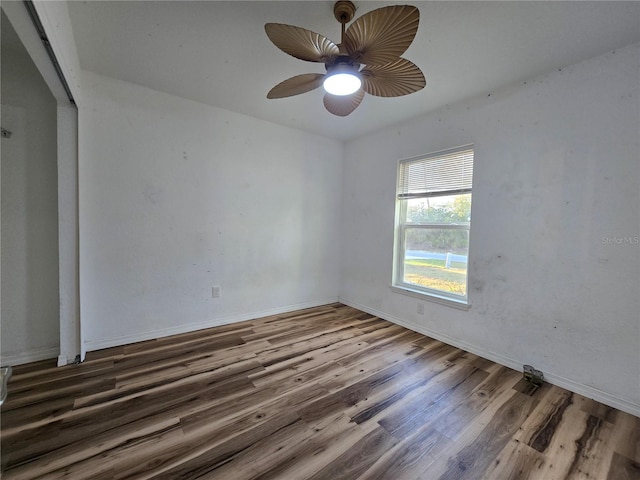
(556, 189)
(177, 196)
(30, 326)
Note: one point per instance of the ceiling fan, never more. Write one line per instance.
(367, 59)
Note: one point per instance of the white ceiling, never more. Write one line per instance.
(218, 53)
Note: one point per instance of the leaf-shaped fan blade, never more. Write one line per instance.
(343, 105)
(381, 36)
(394, 79)
(296, 85)
(301, 43)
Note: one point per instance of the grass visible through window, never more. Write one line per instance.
(431, 273)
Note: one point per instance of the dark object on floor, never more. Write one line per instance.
(533, 376)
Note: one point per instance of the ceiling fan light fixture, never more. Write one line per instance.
(342, 80)
(367, 59)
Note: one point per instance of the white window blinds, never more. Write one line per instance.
(447, 172)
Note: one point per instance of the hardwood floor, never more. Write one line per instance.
(324, 393)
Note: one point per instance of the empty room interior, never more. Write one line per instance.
(214, 265)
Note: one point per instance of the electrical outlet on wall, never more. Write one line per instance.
(421, 308)
(215, 292)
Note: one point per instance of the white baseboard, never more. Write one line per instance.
(560, 381)
(91, 345)
(27, 357)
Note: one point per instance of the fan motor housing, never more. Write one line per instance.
(342, 60)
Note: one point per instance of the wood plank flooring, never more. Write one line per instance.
(323, 393)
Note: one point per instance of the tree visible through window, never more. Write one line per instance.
(434, 219)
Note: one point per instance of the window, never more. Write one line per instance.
(433, 218)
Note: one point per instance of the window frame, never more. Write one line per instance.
(402, 227)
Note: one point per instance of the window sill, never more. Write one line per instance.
(430, 297)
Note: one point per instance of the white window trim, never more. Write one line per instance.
(423, 293)
(434, 297)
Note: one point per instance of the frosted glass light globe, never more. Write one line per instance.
(342, 83)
